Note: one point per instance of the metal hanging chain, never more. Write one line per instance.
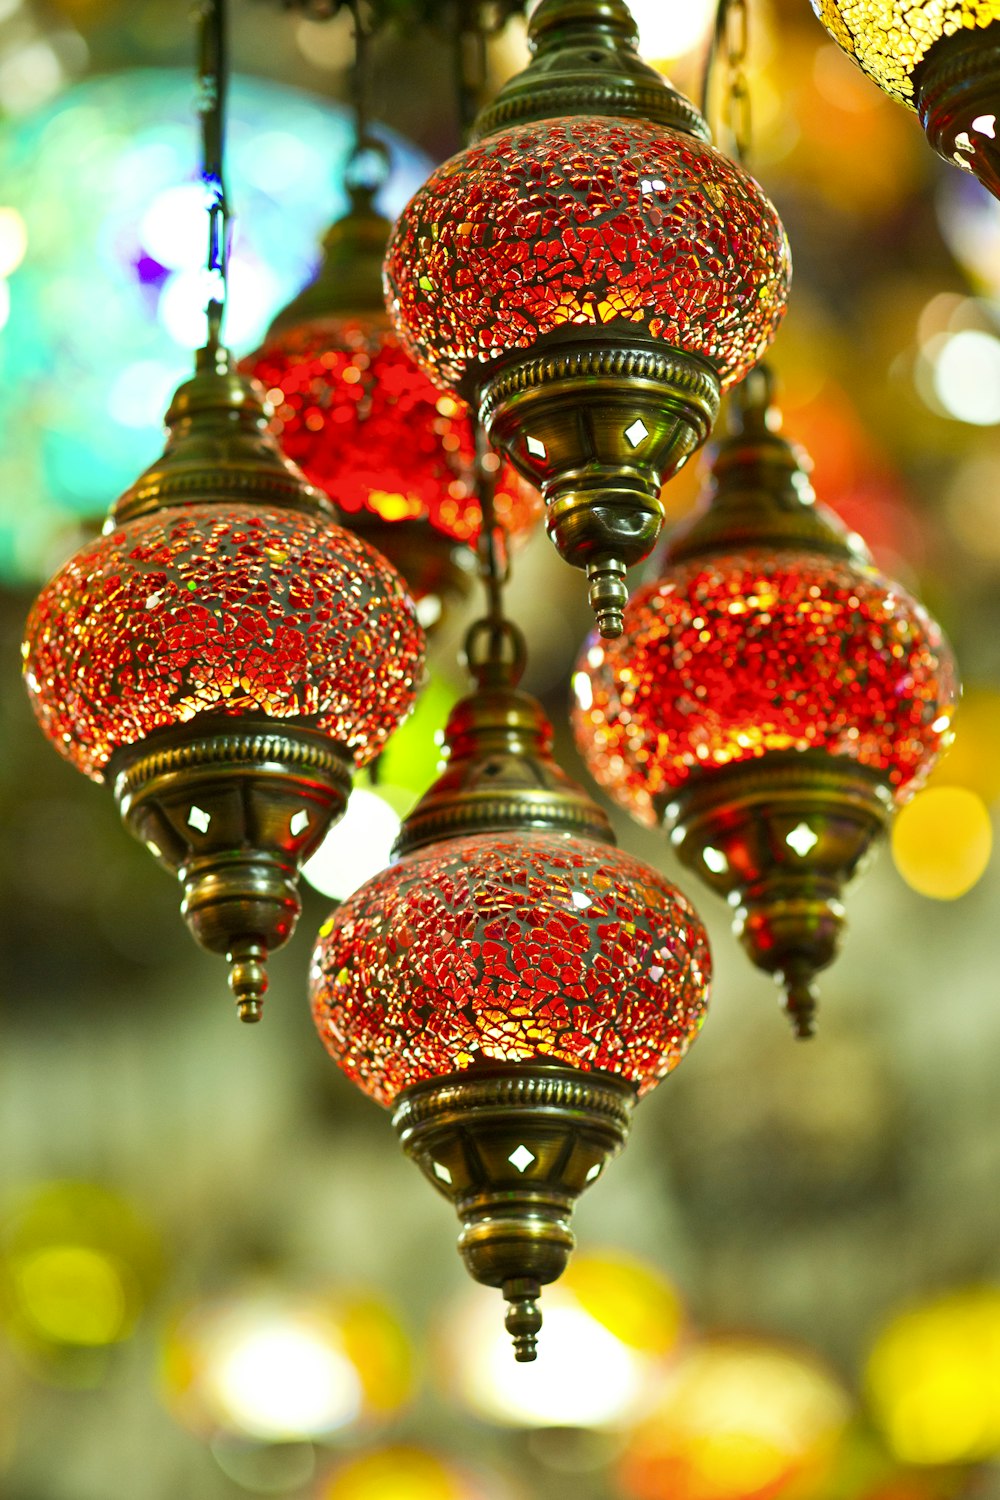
(213, 83)
(730, 37)
(495, 649)
(369, 163)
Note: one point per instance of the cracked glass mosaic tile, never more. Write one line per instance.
(510, 948)
(618, 223)
(221, 610)
(727, 658)
(369, 428)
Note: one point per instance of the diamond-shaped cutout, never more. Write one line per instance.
(441, 1172)
(521, 1158)
(715, 860)
(595, 1171)
(637, 432)
(802, 839)
(299, 822)
(200, 819)
(536, 447)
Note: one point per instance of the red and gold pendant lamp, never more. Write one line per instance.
(224, 654)
(771, 700)
(940, 58)
(587, 276)
(510, 986)
(366, 426)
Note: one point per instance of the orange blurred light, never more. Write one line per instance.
(736, 1420)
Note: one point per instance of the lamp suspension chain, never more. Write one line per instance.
(495, 649)
(213, 74)
(731, 38)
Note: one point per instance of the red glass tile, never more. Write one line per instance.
(221, 610)
(368, 428)
(725, 659)
(503, 930)
(627, 223)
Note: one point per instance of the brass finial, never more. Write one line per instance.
(759, 492)
(219, 450)
(500, 773)
(586, 62)
(349, 279)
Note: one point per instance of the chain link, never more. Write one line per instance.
(730, 39)
(736, 110)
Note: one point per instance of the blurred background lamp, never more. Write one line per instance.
(737, 1419)
(973, 761)
(609, 1324)
(942, 841)
(77, 1265)
(398, 1473)
(933, 1379)
(357, 847)
(668, 31)
(275, 1365)
(102, 232)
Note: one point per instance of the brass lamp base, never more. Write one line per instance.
(513, 1146)
(958, 100)
(779, 838)
(599, 428)
(233, 813)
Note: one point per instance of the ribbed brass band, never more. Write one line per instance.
(164, 752)
(780, 775)
(685, 373)
(663, 106)
(487, 814)
(530, 1085)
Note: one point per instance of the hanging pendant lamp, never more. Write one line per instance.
(772, 699)
(369, 429)
(224, 654)
(941, 59)
(588, 275)
(510, 986)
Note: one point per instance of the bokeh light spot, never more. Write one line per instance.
(942, 841)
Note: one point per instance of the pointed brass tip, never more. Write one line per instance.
(248, 978)
(608, 595)
(800, 1004)
(524, 1317)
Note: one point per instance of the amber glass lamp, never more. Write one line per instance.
(368, 428)
(772, 699)
(588, 275)
(509, 988)
(939, 57)
(224, 654)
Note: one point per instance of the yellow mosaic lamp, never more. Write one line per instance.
(938, 57)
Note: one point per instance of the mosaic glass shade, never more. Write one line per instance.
(221, 610)
(890, 38)
(733, 656)
(586, 222)
(510, 948)
(369, 428)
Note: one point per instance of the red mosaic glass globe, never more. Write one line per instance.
(510, 948)
(730, 657)
(368, 428)
(586, 221)
(221, 610)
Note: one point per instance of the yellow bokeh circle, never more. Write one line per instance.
(933, 1380)
(942, 841)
